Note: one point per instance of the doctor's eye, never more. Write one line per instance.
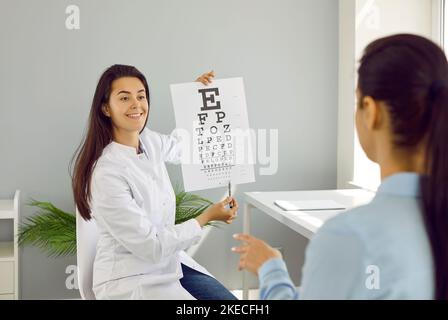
(142, 98)
(124, 99)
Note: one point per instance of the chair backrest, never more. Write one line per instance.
(86, 240)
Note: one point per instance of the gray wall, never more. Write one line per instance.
(286, 50)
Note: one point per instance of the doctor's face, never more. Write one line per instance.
(128, 105)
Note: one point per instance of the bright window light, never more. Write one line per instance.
(375, 19)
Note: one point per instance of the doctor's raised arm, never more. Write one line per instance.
(173, 145)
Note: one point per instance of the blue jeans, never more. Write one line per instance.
(204, 287)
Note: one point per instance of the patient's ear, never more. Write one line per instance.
(371, 113)
(105, 109)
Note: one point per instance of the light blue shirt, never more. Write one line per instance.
(377, 251)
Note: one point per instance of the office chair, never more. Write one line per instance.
(86, 240)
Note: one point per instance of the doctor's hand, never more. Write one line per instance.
(206, 78)
(219, 212)
(254, 253)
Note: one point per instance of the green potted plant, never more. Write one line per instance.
(54, 230)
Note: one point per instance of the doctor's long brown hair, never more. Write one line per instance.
(99, 135)
(410, 74)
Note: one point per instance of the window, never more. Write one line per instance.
(443, 23)
(362, 21)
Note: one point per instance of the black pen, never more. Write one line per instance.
(230, 195)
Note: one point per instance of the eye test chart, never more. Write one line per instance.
(215, 116)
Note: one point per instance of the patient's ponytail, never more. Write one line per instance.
(435, 186)
(410, 75)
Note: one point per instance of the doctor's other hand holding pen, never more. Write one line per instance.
(219, 212)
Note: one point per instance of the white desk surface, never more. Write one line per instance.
(306, 222)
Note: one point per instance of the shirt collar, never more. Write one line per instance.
(404, 184)
(128, 149)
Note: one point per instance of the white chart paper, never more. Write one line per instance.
(215, 119)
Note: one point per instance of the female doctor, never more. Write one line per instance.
(121, 181)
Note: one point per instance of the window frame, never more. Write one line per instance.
(347, 84)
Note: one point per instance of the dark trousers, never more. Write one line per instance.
(204, 287)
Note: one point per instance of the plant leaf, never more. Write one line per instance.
(51, 229)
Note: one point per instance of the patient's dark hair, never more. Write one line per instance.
(99, 135)
(410, 75)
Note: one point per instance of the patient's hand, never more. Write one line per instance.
(206, 78)
(254, 253)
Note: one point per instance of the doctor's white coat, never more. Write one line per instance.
(140, 249)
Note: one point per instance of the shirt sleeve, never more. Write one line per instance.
(275, 283)
(334, 264)
(173, 146)
(116, 211)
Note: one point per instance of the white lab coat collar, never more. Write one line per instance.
(128, 150)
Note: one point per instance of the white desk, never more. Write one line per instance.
(305, 223)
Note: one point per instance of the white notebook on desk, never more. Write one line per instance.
(309, 205)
